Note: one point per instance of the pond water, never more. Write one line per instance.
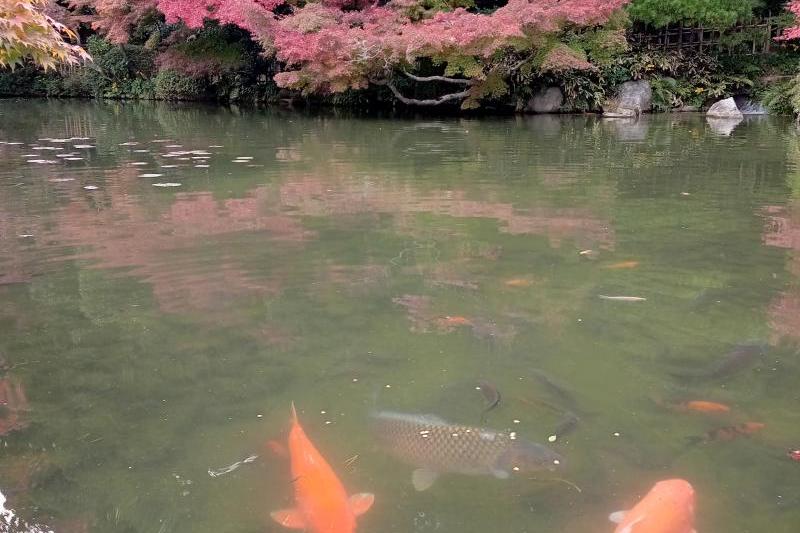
(152, 334)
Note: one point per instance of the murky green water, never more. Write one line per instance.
(151, 334)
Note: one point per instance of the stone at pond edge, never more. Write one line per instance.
(724, 109)
(633, 98)
(547, 100)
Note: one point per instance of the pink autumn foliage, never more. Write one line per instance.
(792, 32)
(114, 18)
(246, 14)
(333, 45)
(334, 50)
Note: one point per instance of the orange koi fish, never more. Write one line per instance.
(700, 406)
(622, 264)
(704, 406)
(322, 502)
(667, 508)
(450, 321)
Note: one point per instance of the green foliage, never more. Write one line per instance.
(171, 85)
(215, 43)
(710, 13)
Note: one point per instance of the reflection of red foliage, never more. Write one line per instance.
(13, 405)
(783, 230)
(126, 235)
(312, 196)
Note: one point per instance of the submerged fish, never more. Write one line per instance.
(740, 357)
(729, 433)
(435, 446)
(622, 298)
(667, 508)
(490, 393)
(699, 406)
(794, 455)
(558, 390)
(622, 264)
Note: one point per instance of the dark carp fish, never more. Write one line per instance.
(740, 357)
(435, 446)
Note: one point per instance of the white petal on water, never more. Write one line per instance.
(73, 159)
(83, 146)
(150, 175)
(170, 166)
(202, 166)
(91, 187)
(139, 163)
(167, 184)
(552, 438)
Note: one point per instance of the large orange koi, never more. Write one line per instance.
(322, 502)
(667, 508)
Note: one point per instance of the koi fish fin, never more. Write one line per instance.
(294, 413)
(422, 478)
(290, 518)
(361, 502)
(617, 517)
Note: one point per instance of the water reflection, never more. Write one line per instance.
(153, 334)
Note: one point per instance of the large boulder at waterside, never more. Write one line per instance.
(632, 99)
(547, 100)
(726, 108)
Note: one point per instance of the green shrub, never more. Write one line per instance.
(171, 85)
(710, 13)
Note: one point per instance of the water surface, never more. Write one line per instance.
(149, 334)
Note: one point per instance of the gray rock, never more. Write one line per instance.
(632, 99)
(547, 100)
(724, 109)
(749, 107)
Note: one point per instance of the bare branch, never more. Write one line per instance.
(445, 79)
(427, 102)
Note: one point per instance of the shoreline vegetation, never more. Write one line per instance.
(619, 58)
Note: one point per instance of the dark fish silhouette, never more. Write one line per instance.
(739, 358)
(490, 393)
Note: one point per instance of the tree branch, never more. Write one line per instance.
(445, 79)
(428, 102)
